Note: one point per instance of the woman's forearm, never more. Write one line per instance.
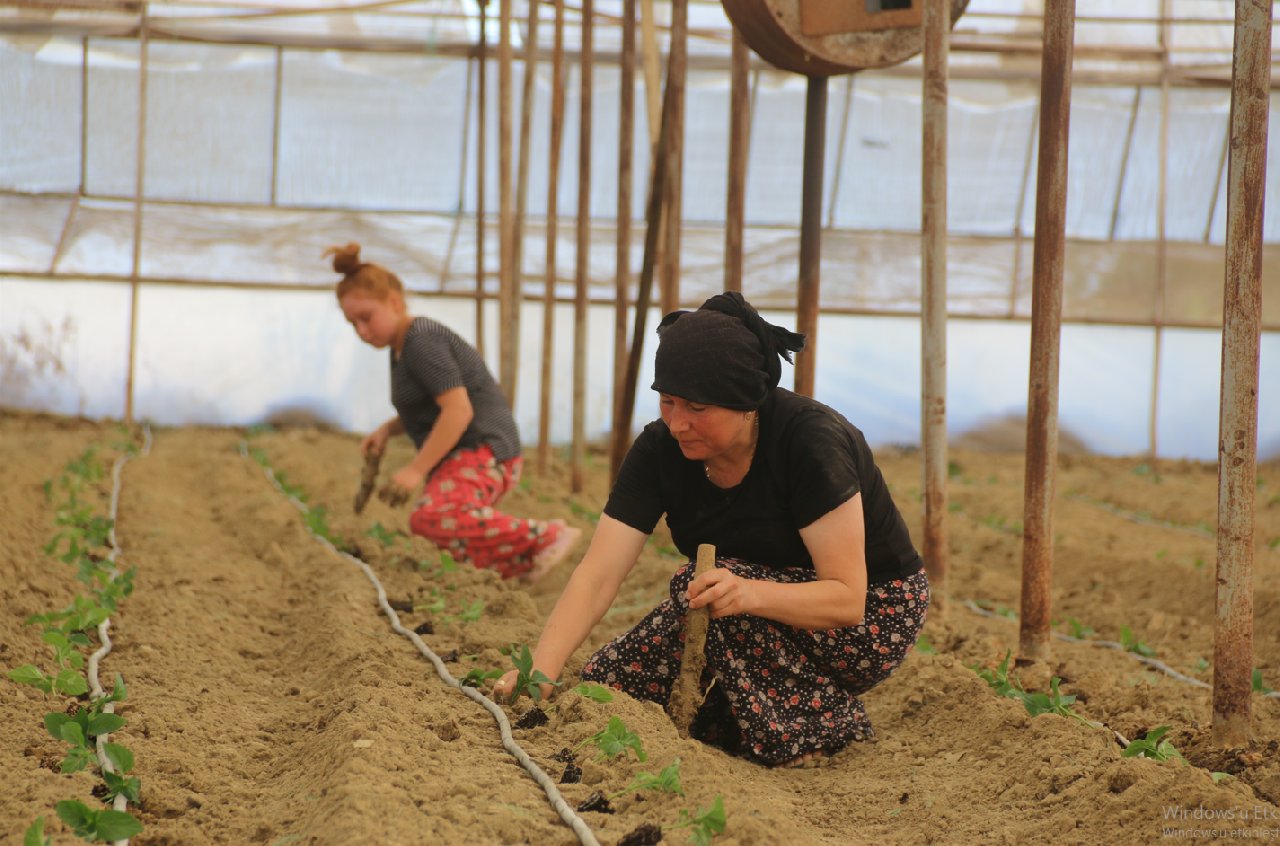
(576, 613)
(443, 437)
(819, 605)
(394, 426)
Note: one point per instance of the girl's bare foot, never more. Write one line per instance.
(553, 553)
(807, 760)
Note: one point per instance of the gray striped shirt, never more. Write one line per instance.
(434, 360)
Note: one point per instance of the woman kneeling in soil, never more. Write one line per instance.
(818, 593)
(447, 402)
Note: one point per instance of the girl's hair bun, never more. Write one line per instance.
(346, 258)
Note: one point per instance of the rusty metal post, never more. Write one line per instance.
(139, 192)
(578, 452)
(549, 286)
(482, 59)
(1046, 330)
(677, 70)
(508, 284)
(1241, 330)
(622, 270)
(815, 137)
(739, 143)
(933, 337)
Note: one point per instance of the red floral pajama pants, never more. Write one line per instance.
(779, 692)
(456, 513)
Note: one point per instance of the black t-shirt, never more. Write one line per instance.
(809, 460)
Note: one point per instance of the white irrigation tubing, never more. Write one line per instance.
(1111, 644)
(95, 687)
(579, 826)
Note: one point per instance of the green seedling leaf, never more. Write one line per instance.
(594, 692)
(79, 817)
(1153, 745)
(471, 612)
(1079, 630)
(120, 757)
(1131, 643)
(667, 781)
(614, 740)
(1053, 702)
(705, 824)
(435, 606)
(104, 724)
(118, 785)
(116, 825)
(476, 677)
(998, 679)
(529, 680)
(1217, 777)
(35, 835)
(1258, 685)
(30, 674)
(447, 564)
(383, 535)
(71, 682)
(925, 646)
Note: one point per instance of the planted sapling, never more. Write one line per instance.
(705, 824)
(998, 679)
(1131, 643)
(528, 679)
(616, 739)
(1052, 703)
(35, 835)
(475, 677)
(1153, 745)
(667, 781)
(1258, 685)
(109, 825)
(1079, 630)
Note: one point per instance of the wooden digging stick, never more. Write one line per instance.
(368, 478)
(686, 693)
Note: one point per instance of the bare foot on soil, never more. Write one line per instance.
(554, 553)
(806, 761)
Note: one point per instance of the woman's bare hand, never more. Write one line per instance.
(723, 592)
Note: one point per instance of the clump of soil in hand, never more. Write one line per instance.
(424, 628)
(532, 718)
(596, 802)
(645, 835)
(572, 774)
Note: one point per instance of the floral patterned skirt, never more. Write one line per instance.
(776, 692)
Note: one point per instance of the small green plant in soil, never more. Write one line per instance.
(925, 646)
(1258, 685)
(383, 535)
(998, 679)
(528, 680)
(703, 824)
(667, 781)
(476, 677)
(66, 679)
(1079, 630)
(93, 825)
(614, 740)
(1053, 702)
(470, 613)
(1131, 643)
(1153, 745)
(35, 835)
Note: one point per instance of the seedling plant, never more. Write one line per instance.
(705, 823)
(615, 740)
(1153, 745)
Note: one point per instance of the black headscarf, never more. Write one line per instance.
(723, 354)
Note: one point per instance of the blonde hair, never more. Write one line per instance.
(367, 278)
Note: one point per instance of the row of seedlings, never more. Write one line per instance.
(84, 540)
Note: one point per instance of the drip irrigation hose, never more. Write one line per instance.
(120, 803)
(1153, 663)
(566, 813)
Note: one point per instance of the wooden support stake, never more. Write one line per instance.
(582, 280)
(549, 286)
(482, 59)
(686, 692)
(508, 282)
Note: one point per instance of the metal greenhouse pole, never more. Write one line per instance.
(739, 144)
(807, 287)
(583, 261)
(139, 190)
(1046, 330)
(677, 70)
(1241, 329)
(549, 286)
(933, 406)
(508, 283)
(626, 157)
(482, 59)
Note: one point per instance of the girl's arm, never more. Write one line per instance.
(455, 416)
(837, 599)
(376, 441)
(591, 589)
